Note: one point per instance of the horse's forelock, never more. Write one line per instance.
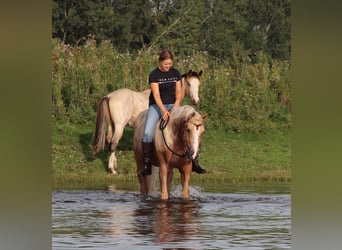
(196, 119)
(195, 74)
(192, 73)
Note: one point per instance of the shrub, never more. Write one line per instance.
(245, 96)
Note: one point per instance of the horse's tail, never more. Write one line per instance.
(103, 114)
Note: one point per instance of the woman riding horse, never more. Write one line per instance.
(166, 95)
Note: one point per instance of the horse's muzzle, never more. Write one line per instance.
(189, 152)
(195, 102)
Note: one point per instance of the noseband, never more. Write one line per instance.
(162, 125)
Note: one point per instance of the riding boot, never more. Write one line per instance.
(147, 158)
(196, 167)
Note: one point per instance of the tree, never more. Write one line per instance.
(223, 27)
(269, 27)
(73, 21)
(134, 26)
(181, 25)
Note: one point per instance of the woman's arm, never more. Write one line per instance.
(156, 95)
(178, 94)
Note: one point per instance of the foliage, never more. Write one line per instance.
(243, 96)
(269, 27)
(184, 26)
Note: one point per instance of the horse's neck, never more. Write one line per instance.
(176, 136)
(177, 123)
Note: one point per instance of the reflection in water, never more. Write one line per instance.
(121, 220)
(168, 221)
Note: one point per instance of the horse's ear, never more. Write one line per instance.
(189, 72)
(200, 73)
(205, 116)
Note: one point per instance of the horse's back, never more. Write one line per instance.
(126, 105)
(140, 103)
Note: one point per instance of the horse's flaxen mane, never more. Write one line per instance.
(175, 126)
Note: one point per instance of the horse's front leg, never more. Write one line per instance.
(185, 179)
(169, 180)
(164, 195)
(143, 186)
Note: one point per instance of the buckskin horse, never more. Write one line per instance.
(175, 143)
(122, 106)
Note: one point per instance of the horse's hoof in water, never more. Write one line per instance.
(186, 196)
(164, 197)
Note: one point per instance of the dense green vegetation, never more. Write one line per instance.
(220, 28)
(254, 97)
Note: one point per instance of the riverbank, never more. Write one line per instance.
(231, 159)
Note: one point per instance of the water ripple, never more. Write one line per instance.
(121, 220)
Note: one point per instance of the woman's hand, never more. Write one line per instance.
(166, 114)
(175, 105)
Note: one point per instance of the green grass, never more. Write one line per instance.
(230, 159)
(239, 158)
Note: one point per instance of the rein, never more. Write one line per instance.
(162, 125)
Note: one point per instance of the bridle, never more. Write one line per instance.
(163, 123)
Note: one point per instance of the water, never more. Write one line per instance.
(90, 219)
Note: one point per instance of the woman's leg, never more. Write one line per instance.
(153, 115)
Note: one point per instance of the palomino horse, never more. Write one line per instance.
(175, 144)
(121, 107)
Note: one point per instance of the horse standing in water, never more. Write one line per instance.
(122, 106)
(175, 143)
